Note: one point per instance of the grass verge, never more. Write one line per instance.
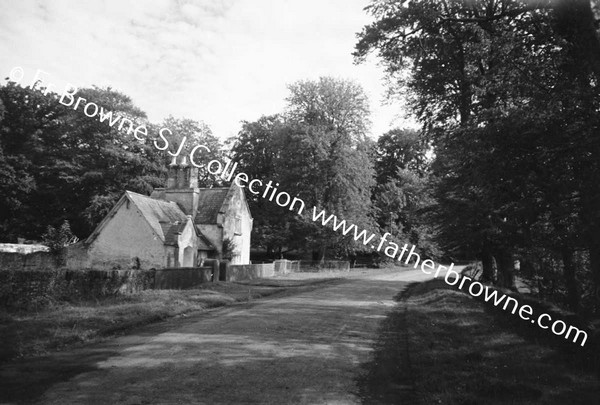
(441, 346)
(31, 334)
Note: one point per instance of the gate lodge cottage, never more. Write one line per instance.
(176, 226)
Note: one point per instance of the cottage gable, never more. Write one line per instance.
(124, 239)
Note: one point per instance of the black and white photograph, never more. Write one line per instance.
(300, 202)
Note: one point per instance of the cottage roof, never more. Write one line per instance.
(171, 231)
(203, 242)
(165, 217)
(210, 202)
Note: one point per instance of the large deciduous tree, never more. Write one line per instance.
(255, 149)
(58, 164)
(317, 150)
(507, 91)
(325, 159)
(402, 193)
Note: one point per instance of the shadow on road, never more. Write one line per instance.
(388, 377)
(300, 348)
(26, 381)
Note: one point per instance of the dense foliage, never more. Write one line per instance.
(402, 194)
(57, 164)
(318, 151)
(507, 92)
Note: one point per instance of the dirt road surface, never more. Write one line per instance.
(300, 348)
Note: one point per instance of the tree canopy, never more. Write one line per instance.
(507, 93)
(317, 150)
(57, 164)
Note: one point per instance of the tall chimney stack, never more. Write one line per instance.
(172, 174)
(182, 175)
(182, 186)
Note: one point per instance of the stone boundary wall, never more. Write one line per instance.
(27, 261)
(29, 289)
(33, 280)
(24, 289)
(239, 272)
(182, 278)
(286, 266)
(327, 265)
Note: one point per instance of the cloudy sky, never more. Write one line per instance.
(219, 61)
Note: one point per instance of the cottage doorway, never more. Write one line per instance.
(188, 257)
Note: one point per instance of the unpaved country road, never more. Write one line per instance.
(303, 348)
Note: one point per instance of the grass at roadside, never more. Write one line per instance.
(29, 334)
(441, 346)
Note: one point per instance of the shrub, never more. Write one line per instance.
(58, 239)
(228, 248)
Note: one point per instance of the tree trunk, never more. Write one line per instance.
(315, 255)
(322, 255)
(487, 264)
(570, 280)
(506, 269)
(590, 199)
(593, 242)
(319, 255)
(576, 23)
(352, 258)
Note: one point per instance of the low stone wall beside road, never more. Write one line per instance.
(27, 261)
(37, 288)
(238, 272)
(286, 266)
(182, 277)
(326, 265)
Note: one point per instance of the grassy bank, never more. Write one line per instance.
(441, 346)
(29, 334)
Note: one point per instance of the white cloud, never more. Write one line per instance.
(216, 61)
